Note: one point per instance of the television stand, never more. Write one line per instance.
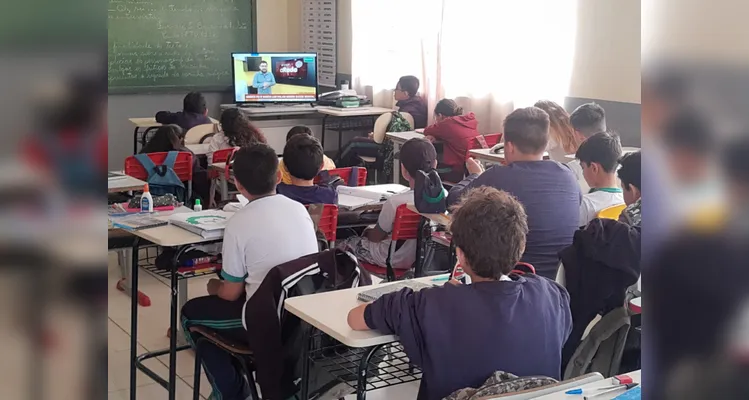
(251, 105)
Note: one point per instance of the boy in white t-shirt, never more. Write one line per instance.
(599, 156)
(373, 246)
(270, 230)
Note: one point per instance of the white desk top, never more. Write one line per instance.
(198, 148)
(593, 385)
(486, 155)
(403, 137)
(328, 312)
(352, 112)
(150, 122)
(125, 184)
(170, 235)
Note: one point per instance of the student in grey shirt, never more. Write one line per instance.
(547, 189)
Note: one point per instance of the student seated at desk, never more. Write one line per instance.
(599, 157)
(460, 334)
(172, 138)
(194, 112)
(305, 159)
(547, 189)
(563, 139)
(629, 175)
(408, 100)
(270, 230)
(236, 131)
(456, 131)
(587, 120)
(373, 246)
(328, 164)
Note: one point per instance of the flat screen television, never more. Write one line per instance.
(274, 77)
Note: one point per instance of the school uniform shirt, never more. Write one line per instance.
(551, 197)
(597, 200)
(460, 334)
(327, 164)
(456, 133)
(577, 169)
(186, 120)
(315, 194)
(417, 107)
(267, 232)
(402, 257)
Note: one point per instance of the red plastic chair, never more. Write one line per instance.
(345, 174)
(405, 227)
(488, 141)
(492, 139)
(182, 167)
(522, 268)
(328, 224)
(221, 156)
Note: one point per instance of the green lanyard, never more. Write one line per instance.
(607, 190)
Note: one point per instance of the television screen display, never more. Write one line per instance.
(275, 77)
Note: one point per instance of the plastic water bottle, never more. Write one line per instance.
(197, 206)
(146, 201)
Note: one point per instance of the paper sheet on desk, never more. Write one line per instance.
(234, 207)
(349, 202)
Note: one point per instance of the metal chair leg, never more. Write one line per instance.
(196, 381)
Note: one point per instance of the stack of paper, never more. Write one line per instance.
(137, 221)
(209, 224)
(351, 198)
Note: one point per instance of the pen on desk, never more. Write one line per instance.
(609, 389)
(440, 278)
(598, 390)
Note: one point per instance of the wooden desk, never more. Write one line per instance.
(124, 184)
(398, 139)
(486, 155)
(146, 124)
(440, 219)
(337, 112)
(560, 395)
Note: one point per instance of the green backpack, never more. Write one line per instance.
(397, 124)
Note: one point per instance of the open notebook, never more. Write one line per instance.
(377, 292)
(354, 197)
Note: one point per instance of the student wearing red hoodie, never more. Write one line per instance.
(456, 131)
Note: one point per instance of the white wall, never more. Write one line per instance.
(607, 51)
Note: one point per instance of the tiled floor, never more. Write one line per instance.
(153, 322)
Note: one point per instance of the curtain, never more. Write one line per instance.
(489, 56)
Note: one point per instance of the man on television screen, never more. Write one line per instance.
(263, 80)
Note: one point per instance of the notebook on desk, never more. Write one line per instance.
(352, 198)
(376, 293)
(209, 224)
(137, 222)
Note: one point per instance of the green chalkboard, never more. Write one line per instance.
(174, 45)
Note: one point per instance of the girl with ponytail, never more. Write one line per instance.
(456, 131)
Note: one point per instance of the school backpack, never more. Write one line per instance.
(161, 178)
(501, 383)
(397, 124)
(430, 197)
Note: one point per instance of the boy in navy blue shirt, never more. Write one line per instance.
(303, 157)
(460, 334)
(194, 112)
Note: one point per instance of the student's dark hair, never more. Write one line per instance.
(448, 108)
(603, 148)
(589, 119)
(490, 227)
(528, 129)
(298, 130)
(688, 130)
(409, 84)
(416, 155)
(239, 130)
(256, 168)
(631, 167)
(166, 138)
(303, 157)
(194, 102)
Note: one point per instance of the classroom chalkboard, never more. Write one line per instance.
(176, 45)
